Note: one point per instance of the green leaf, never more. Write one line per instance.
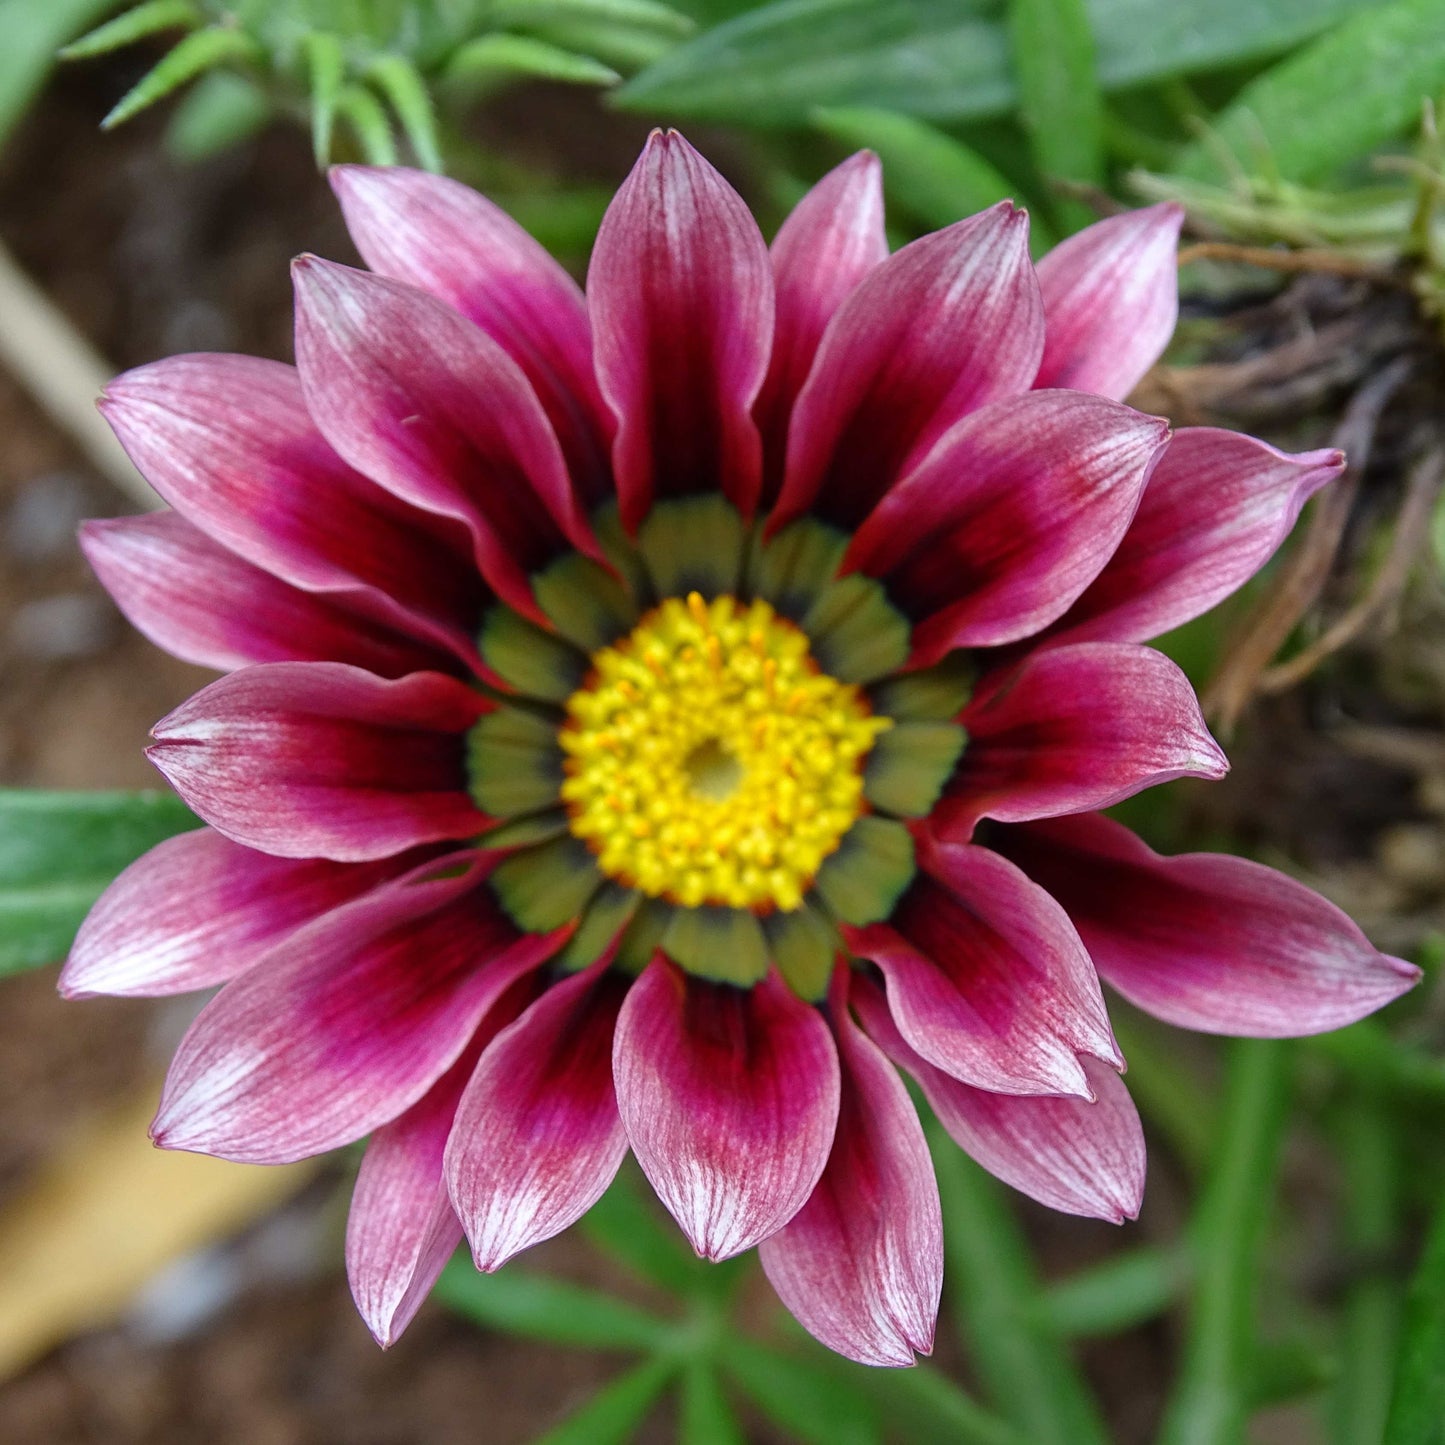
(1123, 1291)
(943, 59)
(33, 32)
(1361, 85)
(364, 114)
(937, 179)
(397, 79)
(707, 1418)
(325, 73)
(147, 19)
(198, 52)
(221, 110)
(810, 1402)
(613, 1416)
(1052, 46)
(647, 1242)
(59, 851)
(492, 58)
(1417, 1408)
(633, 14)
(543, 1308)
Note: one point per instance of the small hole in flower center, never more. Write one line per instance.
(712, 771)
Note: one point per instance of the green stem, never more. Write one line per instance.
(1211, 1397)
(1019, 1356)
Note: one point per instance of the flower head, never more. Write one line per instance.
(652, 715)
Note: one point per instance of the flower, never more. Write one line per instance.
(650, 718)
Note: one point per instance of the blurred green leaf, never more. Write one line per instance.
(196, 53)
(995, 1292)
(325, 74)
(491, 58)
(32, 34)
(943, 59)
(1364, 83)
(147, 19)
(1417, 1409)
(707, 1418)
(1289, 1370)
(398, 79)
(633, 14)
(59, 851)
(220, 110)
(1052, 46)
(810, 1402)
(649, 1244)
(549, 1309)
(613, 1416)
(368, 121)
(1123, 1291)
(932, 176)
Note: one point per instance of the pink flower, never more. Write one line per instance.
(652, 716)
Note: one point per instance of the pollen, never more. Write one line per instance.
(709, 760)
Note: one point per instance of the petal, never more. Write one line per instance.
(315, 759)
(538, 1137)
(205, 605)
(198, 910)
(1215, 509)
(348, 1022)
(1111, 298)
(228, 442)
(987, 978)
(428, 405)
(1207, 941)
(443, 238)
(1010, 517)
(861, 1264)
(1075, 728)
(729, 1097)
(832, 239)
(946, 324)
(681, 296)
(402, 1228)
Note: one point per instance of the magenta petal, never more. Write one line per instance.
(946, 324)
(444, 238)
(538, 1137)
(346, 1023)
(1075, 728)
(1204, 940)
(1111, 298)
(831, 240)
(198, 910)
(729, 1098)
(681, 296)
(228, 442)
(316, 759)
(205, 605)
(429, 406)
(1072, 1154)
(1217, 506)
(861, 1263)
(1010, 517)
(987, 978)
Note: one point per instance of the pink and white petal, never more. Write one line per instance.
(831, 240)
(446, 239)
(681, 297)
(205, 605)
(1204, 940)
(1010, 517)
(320, 760)
(402, 1228)
(1075, 728)
(198, 910)
(228, 442)
(1216, 508)
(987, 978)
(348, 1022)
(861, 1263)
(538, 1137)
(729, 1098)
(945, 325)
(1074, 1155)
(429, 406)
(1111, 298)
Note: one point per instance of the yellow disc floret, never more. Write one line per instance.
(710, 761)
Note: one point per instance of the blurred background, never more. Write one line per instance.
(153, 187)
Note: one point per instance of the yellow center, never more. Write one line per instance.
(709, 760)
